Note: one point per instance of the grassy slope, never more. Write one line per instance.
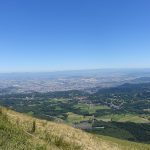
(15, 133)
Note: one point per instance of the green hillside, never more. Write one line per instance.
(21, 132)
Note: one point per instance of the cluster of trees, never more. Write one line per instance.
(128, 97)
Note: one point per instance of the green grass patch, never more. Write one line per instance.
(56, 100)
(75, 118)
(126, 145)
(90, 108)
(14, 138)
(124, 118)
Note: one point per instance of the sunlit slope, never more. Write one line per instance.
(21, 132)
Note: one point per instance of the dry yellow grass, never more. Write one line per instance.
(53, 135)
(68, 134)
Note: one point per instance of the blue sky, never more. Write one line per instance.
(47, 35)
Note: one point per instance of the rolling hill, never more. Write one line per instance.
(22, 132)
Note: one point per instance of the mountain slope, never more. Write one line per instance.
(21, 132)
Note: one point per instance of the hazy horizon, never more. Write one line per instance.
(78, 70)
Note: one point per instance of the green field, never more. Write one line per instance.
(124, 118)
(56, 100)
(75, 118)
(90, 108)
